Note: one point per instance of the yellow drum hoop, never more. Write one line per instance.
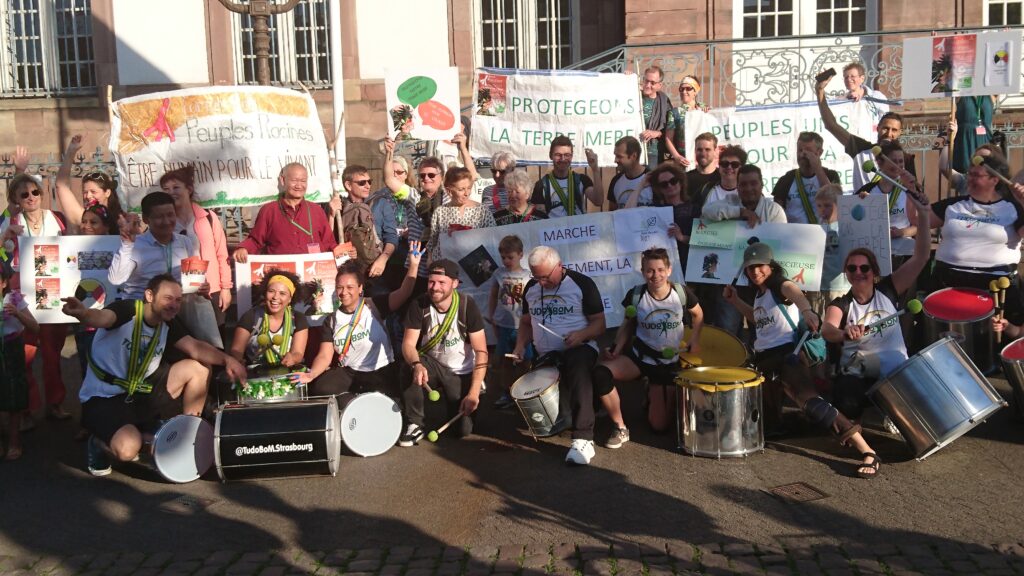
(728, 378)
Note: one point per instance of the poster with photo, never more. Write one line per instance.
(315, 294)
(982, 64)
(66, 266)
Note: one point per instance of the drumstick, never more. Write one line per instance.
(913, 306)
(433, 434)
(1003, 283)
(980, 161)
(552, 332)
(793, 356)
(433, 395)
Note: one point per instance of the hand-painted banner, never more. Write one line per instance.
(962, 65)
(521, 111)
(237, 137)
(423, 104)
(864, 223)
(594, 244)
(769, 134)
(58, 267)
(316, 272)
(716, 251)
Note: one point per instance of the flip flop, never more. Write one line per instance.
(873, 465)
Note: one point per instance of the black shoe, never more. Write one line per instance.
(413, 435)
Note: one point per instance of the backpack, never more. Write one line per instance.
(639, 290)
(359, 228)
(460, 317)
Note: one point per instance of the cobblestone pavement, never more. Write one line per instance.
(526, 560)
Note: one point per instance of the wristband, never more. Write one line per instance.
(416, 363)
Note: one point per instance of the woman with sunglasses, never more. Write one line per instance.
(669, 183)
(495, 195)
(460, 213)
(97, 188)
(686, 121)
(34, 220)
(871, 352)
(519, 189)
(778, 305)
(642, 340)
(402, 196)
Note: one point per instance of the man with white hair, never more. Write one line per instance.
(563, 315)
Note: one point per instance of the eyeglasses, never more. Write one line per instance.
(35, 192)
(428, 175)
(102, 176)
(734, 165)
(686, 88)
(864, 268)
(365, 182)
(546, 276)
(670, 182)
(563, 156)
(646, 81)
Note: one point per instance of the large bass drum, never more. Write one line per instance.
(279, 439)
(936, 397)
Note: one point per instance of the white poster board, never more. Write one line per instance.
(521, 111)
(55, 267)
(423, 104)
(315, 271)
(716, 251)
(605, 246)
(962, 65)
(864, 223)
(237, 137)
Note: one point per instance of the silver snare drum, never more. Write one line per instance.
(536, 395)
(183, 448)
(721, 411)
(936, 397)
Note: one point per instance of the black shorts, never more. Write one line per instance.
(662, 374)
(105, 416)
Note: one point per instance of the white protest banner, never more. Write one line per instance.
(605, 246)
(716, 251)
(521, 111)
(237, 137)
(316, 273)
(962, 65)
(864, 223)
(51, 268)
(422, 104)
(769, 134)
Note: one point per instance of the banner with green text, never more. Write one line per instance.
(521, 111)
(236, 137)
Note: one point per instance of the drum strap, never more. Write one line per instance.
(135, 382)
(274, 354)
(568, 201)
(812, 216)
(442, 331)
(351, 329)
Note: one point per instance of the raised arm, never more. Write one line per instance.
(93, 318)
(462, 142)
(828, 119)
(394, 183)
(69, 202)
(398, 297)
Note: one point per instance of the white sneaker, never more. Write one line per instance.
(581, 452)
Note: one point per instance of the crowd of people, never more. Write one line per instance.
(402, 327)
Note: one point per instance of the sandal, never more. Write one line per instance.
(873, 465)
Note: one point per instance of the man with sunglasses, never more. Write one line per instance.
(628, 188)
(563, 192)
(796, 189)
(370, 228)
(563, 315)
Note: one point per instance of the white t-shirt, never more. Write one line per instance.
(510, 296)
(622, 188)
(111, 348)
(978, 234)
(659, 323)
(11, 325)
(454, 351)
(561, 310)
(795, 213)
(370, 346)
(719, 194)
(887, 344)
(771, 327)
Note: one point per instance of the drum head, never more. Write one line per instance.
(959, 304)
(719, 378)
(370, 423)
(533, 383)
(719, 348)
(183, 448)
(1014, 350)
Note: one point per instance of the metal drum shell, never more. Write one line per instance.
(1013, 370)
(721, 413)
(315, 421)
(935, 397)
(974, 335)
(541, 410)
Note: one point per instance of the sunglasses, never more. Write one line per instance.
(686, 88)
(102, 176)
(365, 182)
(499, 172)
(428, 175)
(667, 183)
(35, 192)
(864, 268)
(655, 252)
(735, 164)
(400, 172)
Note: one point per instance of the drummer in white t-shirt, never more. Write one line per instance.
(355, 349)
(445, 348)
(563, 313)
